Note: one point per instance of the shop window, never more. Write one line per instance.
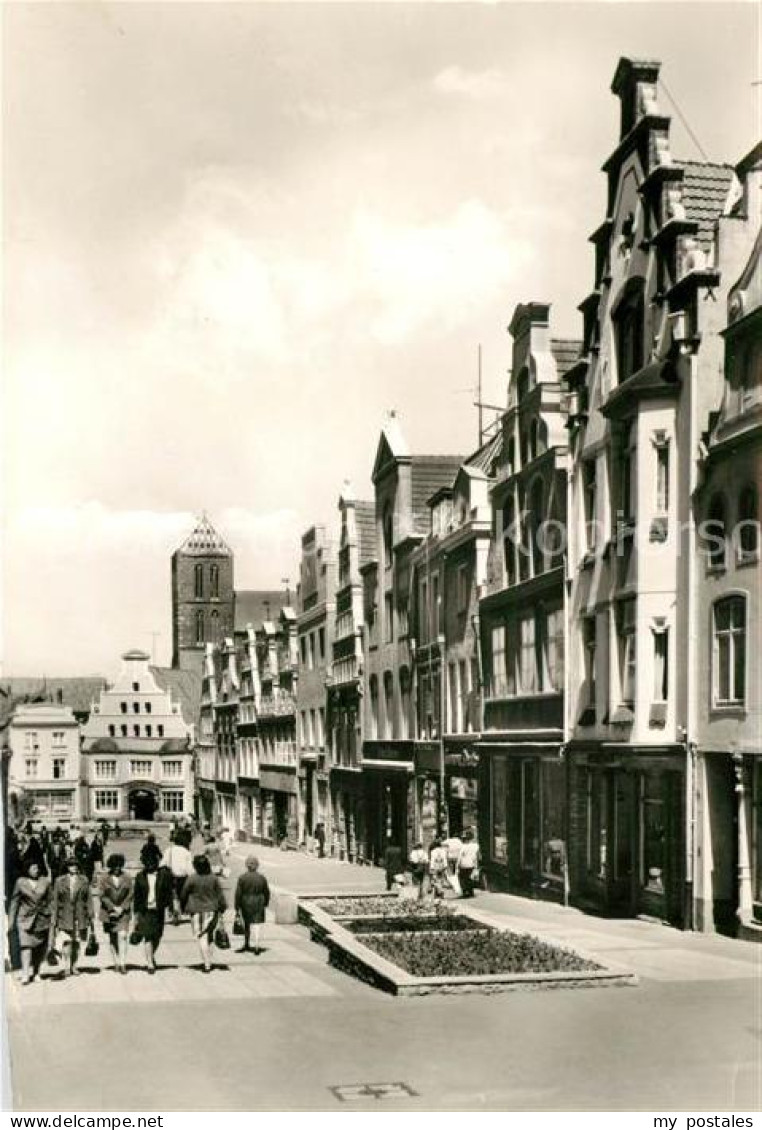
(729, 652)
(652, 833)
(597, 824)
(748, 524)
(553, 807)
(499, 783)
(530, 812)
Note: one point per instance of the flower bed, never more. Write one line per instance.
(367, 906)
(478, 952)
(413, 924)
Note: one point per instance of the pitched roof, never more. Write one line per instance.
(429, 473)
(252, 606)
(565, 352)
(365, 516)
(184, 687)
(204, 539)
(705, 191)
(79, 693)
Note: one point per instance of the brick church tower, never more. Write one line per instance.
(202, 595)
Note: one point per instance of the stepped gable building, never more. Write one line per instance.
(403, 485)
(316, 604)
(137, 749)
(202, 596)
(522, 617)
(357, 548)
(728, 691)
(649, 371)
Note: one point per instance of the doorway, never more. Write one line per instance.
(142, 804)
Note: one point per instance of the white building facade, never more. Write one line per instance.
(45, 766)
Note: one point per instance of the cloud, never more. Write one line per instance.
(454, 80)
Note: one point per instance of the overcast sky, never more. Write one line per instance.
(236, 234)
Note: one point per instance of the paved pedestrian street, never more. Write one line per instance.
(285, 1031)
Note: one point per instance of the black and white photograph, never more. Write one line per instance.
(381, 681)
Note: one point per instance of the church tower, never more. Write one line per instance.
(202, 595)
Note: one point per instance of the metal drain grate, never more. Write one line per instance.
(356, 1092)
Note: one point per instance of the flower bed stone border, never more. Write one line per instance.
(346, 952)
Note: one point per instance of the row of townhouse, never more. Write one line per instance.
(549, 641)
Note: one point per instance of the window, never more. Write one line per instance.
(313, 729)
(214, 581)
(464, 696)
(716, 535)
(136, 708)
(148, 708)
(662, 474)
(423, 611)
(124, 707)
(661, 665)
(454, 698)
(748, 524)
(628, 324)
(435, 603)
(462, 589)
(388, 617)
(729, 652)
(589, 642)
(597, 823)
(627, 464)
(160, 730)
(198, 576)
(627, 654)
(499, 686)
(530, 811)
(373, 687)
(536, 517)
(124, 731)
(404, 702)
(554, 651)
(31, 740)
(105, 770)
(136, 731)
(173, 800)
(303, 647)
(136, 688)
(112, 731)
(59, 739)
(527, 656)
(172, 768)
(321, 727)
(509, 540)
(141, 767)
(652, 833)
(106, 800)
(321, 644)
(214, 626)
(59, 768)
(311, 651)
(149, 731)
(388, 537)
(590, 490)
(30, 768)
(200, 637)
(388, 704)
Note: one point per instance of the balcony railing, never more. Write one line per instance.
(277, 705)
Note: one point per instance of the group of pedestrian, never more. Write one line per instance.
(449, 863)
(51, 912)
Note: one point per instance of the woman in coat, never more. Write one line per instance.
(71, 914)
(151, 899)
(252, 896)
(116, 907)
(203, 899)
(29, 913)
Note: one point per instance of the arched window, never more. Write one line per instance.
(729, 652)
(716, 533)
(748, 523)
(200, 627)
(198, 577)
(214, 630)
(388, 536)
(214, 580)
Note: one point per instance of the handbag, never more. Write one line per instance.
(93, 945)
(221, 939)
(238, 927)
(136, 938)
(52, 958)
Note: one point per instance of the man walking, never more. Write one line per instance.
(177, 859)
(71, 915)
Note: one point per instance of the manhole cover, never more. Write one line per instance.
(356, 1092)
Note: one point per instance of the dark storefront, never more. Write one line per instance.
(523, 819)
(461, 787)
(348, 837)
(388, 773)
(628, 814)
(279, 796)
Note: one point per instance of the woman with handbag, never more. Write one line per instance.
(116, 907)
(203, 899)
(29, 914)
(151, 898)
(252, 896)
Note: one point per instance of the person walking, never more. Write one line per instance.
(468, 865)
(29, 915)
(252, 897)
(57, 857)
(96, 853)
(116, 907)
(438, 870)
(81, 850)
(203, 899)
(392, 862)
(151, 897)
(177, 860)
(419, 866)
(214, 855)
(452, 846)
(71, 915)
(320, 837)
(150, 852)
